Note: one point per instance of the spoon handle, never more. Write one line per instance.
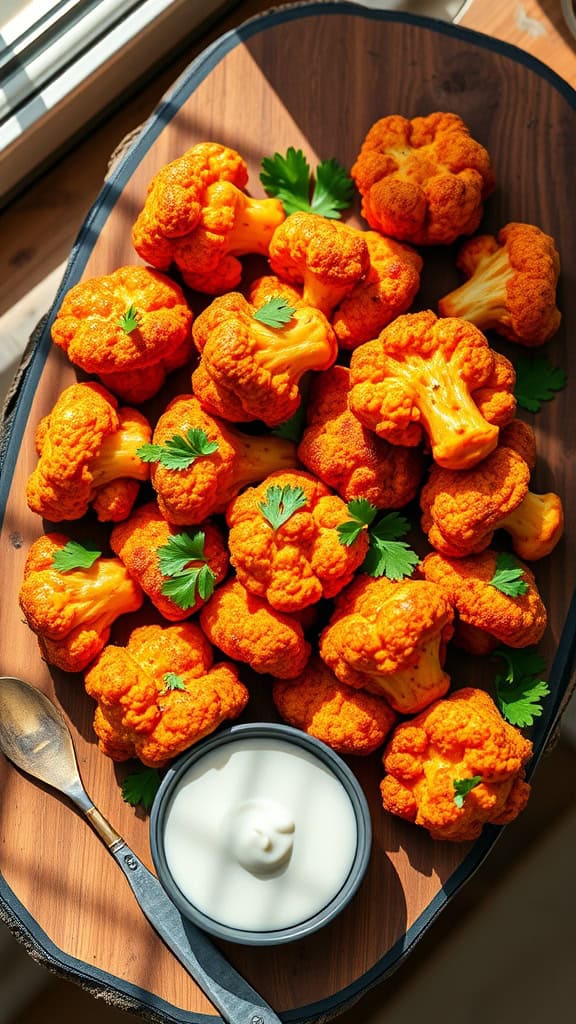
(230, 993)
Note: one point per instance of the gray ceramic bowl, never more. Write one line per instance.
(330, 760)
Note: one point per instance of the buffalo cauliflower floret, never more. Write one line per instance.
(348, 457)
(349, 721)
(389, 288)
(462, 509)
(161, 693)
(390, 639)
(197, 216)
(138, 543)
(511, 284)
(485, 615)
(87, 451)
(249, 630)
(259, 365)
(301, 560)
(324, 256)
(419, 377)
(188, 495)
(461, 738)
(423, 180)
(131, 328)
(72, 612)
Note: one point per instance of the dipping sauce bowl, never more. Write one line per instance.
(260, 834)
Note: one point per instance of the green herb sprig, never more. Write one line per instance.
(290, 179)
(172, 681)
(464, 786)
(520, 689)
(130, 320)
(180, 451)
(281, 503)
(276, 312)
(537, 381)
(140, 787)
(76, 556)
(387, 555)
(186, 582)
(508, 576)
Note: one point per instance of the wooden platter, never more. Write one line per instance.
(313, 76)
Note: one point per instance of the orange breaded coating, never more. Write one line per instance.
(423, 180)
(461, 510)
(389, 288)
(87, 456)
(257, 365)
(302, 560)
(486, 616)
(188, 496)
(270, 287)
(511, 286)
(455, 739)
(72, 612)
(389, 638)
(324, 256)
(352, 460)
(249, 630)
(520, 436)
(349, 721)
(197, 217)
(143, 711)
(137, 542)
(419, 378)
(132, 360)
(495, 399)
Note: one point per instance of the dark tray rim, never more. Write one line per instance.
(101, 983)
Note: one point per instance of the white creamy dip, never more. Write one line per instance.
(259, 834)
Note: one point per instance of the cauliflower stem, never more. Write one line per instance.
(535, 525)
(118, 457)
(409, 690)
(294, 349)
(482, 299)
(255, 221)
(258, 457)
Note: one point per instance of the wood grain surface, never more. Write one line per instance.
(317, 81)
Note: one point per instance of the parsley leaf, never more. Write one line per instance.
(281, 503)
(289, 178)
(76, 556)
(293, 428)
(130, 320)
(463, 786)
(276, 312)
(387, 555)
(173, 682)
(186, 582)
(141, 787)
(519, 691)
(536, 381)
(508, 575)
(179, 452)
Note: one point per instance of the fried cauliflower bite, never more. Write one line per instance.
(462, 509)
(87, 456)
(197, 217)
(390, 638)
(271, 287)
(302, 560)
(349, 721)
(131, 328)
(188, 496)
(419, 379)
(72, 612)
(258, 365)
(137, 542)
(511, 286)
(485, 616)
(456, 739)
(247, 629)
(423, 180)
(389, 288)
(349, 458)
(143, 711)
(324, 256)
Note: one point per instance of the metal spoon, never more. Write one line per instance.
(34, 735)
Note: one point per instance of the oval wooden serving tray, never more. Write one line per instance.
(313, 76)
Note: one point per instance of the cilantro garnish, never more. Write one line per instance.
(76, 556)
(508, 576)
(463, 786)
(519, 691)
(536, 381)
(276, 312)
(387, 555)
(186, 582)
(293, 428)
(130, 320)
(281, 503)
(290, 179)
(172, 681)
(179, 452)
(141, 787)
